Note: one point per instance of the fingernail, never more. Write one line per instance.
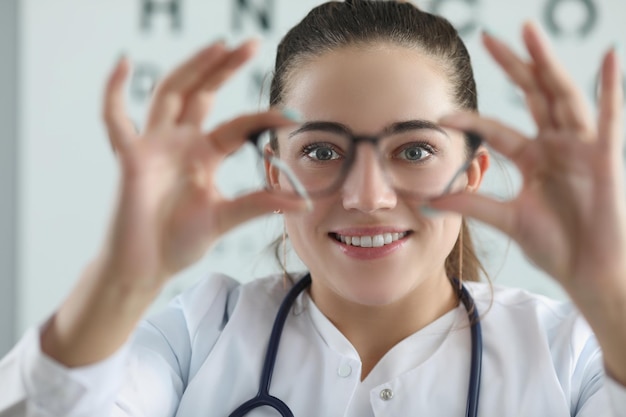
(488, 32)
(257, 40)
(429, 212)
(485, 32)
(617, 47)
(219, 45)
(247, 43)
(455, 119)
(448, 117)
(309, 205)
(291, 114)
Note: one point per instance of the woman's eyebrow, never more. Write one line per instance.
(398, 127)
(416, 124)
(324, 126)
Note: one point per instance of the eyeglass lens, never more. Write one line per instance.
(417, 163)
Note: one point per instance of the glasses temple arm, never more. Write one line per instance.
(293, 180)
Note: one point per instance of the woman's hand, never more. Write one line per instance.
(169, 211)
(570, 215)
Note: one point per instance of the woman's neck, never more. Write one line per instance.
(374, 330)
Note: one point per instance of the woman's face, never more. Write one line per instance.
(369, 89)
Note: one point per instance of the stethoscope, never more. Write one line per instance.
(264, 399)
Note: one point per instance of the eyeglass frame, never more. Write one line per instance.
(472, 139)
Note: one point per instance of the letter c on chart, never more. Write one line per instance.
(468, 26)
(555, 28)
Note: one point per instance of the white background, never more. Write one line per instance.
(67, 174)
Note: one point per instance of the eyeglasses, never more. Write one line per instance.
(418, 158)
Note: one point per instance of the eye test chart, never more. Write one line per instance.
(58, 172)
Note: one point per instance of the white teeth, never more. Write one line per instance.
(375, 241)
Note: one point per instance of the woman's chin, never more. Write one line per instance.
(373, 295)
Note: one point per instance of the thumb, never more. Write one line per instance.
(499, 214)
(257, 204)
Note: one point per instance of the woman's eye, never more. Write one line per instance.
(321, 153)
(415, 152)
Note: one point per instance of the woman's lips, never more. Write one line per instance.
(369, 241)
(369, 245)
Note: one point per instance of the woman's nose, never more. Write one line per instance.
(366, 187)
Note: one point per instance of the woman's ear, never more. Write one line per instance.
(271, 172)
(477, 169)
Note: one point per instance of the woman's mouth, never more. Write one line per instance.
(370, 241)
(369, 245)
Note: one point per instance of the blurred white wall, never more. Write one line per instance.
(65, 171)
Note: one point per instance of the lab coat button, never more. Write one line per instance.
(344, 371)
(386, 394)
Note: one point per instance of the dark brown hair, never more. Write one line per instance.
(334, 25)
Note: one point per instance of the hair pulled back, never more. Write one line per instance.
(334, 25)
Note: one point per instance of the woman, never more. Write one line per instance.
(381, 329)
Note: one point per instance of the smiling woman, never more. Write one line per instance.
(377, 190)
(373, 153)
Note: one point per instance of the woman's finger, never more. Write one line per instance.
(169, 98)
(119, 127)
(523, 75)
(567, 103)
(610, 121)
(229, 136)
(237, 211)
(500, 137)
(499, 214)
(201, 97)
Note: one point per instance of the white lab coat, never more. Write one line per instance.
(203, 355)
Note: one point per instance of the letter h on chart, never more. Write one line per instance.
(173, 8)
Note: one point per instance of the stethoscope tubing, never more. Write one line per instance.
(264, 399)
(473, 392)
